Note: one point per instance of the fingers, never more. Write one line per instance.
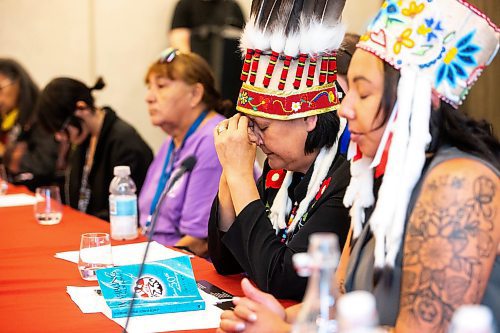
(233, 122)
(221, 127)
(243, 123)
(230, 322)
(245, 310)
(260, 297)
(252, 292)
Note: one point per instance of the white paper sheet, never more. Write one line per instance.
(89, 302)
(14, 200)
(130, 254)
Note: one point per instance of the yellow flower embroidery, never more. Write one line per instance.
(424, 30)
(243, 98)
(364, 37)
(413, 10)
(450, 55)
(404, 40)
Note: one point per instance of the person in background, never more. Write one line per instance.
(184, 103)
(426, 175)
(28, 153)
(195, 22)
(99, 139)
(344, 55)
(210, 28)
(257, 228)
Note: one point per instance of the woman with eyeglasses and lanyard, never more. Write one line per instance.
(100, 141)
(183, 101)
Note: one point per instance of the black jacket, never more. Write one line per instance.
(37, 166)
(251, 245)
(118, 144)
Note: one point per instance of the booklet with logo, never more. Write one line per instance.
(164, 286)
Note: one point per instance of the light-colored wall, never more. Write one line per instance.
(117, 39)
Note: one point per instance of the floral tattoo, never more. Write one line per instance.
(449, 235)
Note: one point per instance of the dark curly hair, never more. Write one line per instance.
(28, 90)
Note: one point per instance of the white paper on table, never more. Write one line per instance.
(87, 299)
(97, 255)
(89, 302)
(14, 200)
(130, 254)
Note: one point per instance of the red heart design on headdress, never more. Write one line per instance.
(378, 37)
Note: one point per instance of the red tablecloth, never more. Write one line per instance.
(33, 282)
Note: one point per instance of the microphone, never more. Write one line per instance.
(187, 165)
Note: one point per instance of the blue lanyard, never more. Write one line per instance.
(169, 165)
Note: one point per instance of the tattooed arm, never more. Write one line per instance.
(451, 242)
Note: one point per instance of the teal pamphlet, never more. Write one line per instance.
(164, 286)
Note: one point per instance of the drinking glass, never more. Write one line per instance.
(95, 253)
(3, 180)
(48, 207)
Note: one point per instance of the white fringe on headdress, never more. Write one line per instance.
(282, 204)
(314, 36)
(383, 214)
(253, 38)
(359, 193)
(404, 166)
(415, 159)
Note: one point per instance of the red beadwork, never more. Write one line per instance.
(300, 70)
(284, 72)
(311, 71)
(246, 65)
(255, 65)
(332, 68)
(270, 68)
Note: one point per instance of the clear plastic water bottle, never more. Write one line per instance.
(317, 314)
(122, 205)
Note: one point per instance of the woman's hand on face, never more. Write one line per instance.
(235, 150)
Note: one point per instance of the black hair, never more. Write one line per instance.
(345, 52)
(324, 134)
(28, 90)
(453, 127)
(448, 126)
(390, 95)
(57, 102)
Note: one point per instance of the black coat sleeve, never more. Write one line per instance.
(251, 244)
(220, 255)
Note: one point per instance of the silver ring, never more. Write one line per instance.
(221, 129)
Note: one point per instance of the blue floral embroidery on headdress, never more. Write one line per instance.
(456, 60)
(434, 26)
(389, 10)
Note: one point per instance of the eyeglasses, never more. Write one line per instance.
(166, 56)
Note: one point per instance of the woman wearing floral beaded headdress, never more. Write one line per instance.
(424, 193)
